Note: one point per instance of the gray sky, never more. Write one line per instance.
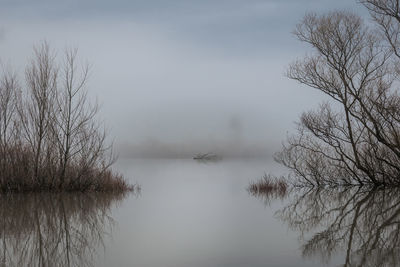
(178, 77)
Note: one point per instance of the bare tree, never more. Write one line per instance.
(50, 138)
(386, 13)
(9, 96)
(357, 138)
(80, 139)
(73, 113)
(41, 79)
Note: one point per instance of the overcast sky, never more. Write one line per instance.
(178, 77)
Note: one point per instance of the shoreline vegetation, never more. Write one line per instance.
(50, 137)
(353, 139)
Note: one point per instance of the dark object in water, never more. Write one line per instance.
(269, 185)
(207, 156)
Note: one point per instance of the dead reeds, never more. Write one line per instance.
(269, 187)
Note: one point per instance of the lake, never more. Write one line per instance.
(199, 214)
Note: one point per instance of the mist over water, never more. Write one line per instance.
(178, 78)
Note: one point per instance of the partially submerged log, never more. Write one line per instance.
(207, 157)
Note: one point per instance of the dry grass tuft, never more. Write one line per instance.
(270, 187)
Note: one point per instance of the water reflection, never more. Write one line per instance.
(53, 229)
(269, 195)
(359, 225)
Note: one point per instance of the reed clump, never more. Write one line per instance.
(269, 186)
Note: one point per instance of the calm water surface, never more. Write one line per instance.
(199, 214)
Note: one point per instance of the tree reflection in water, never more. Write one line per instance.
(361, 224)
(53, 229)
